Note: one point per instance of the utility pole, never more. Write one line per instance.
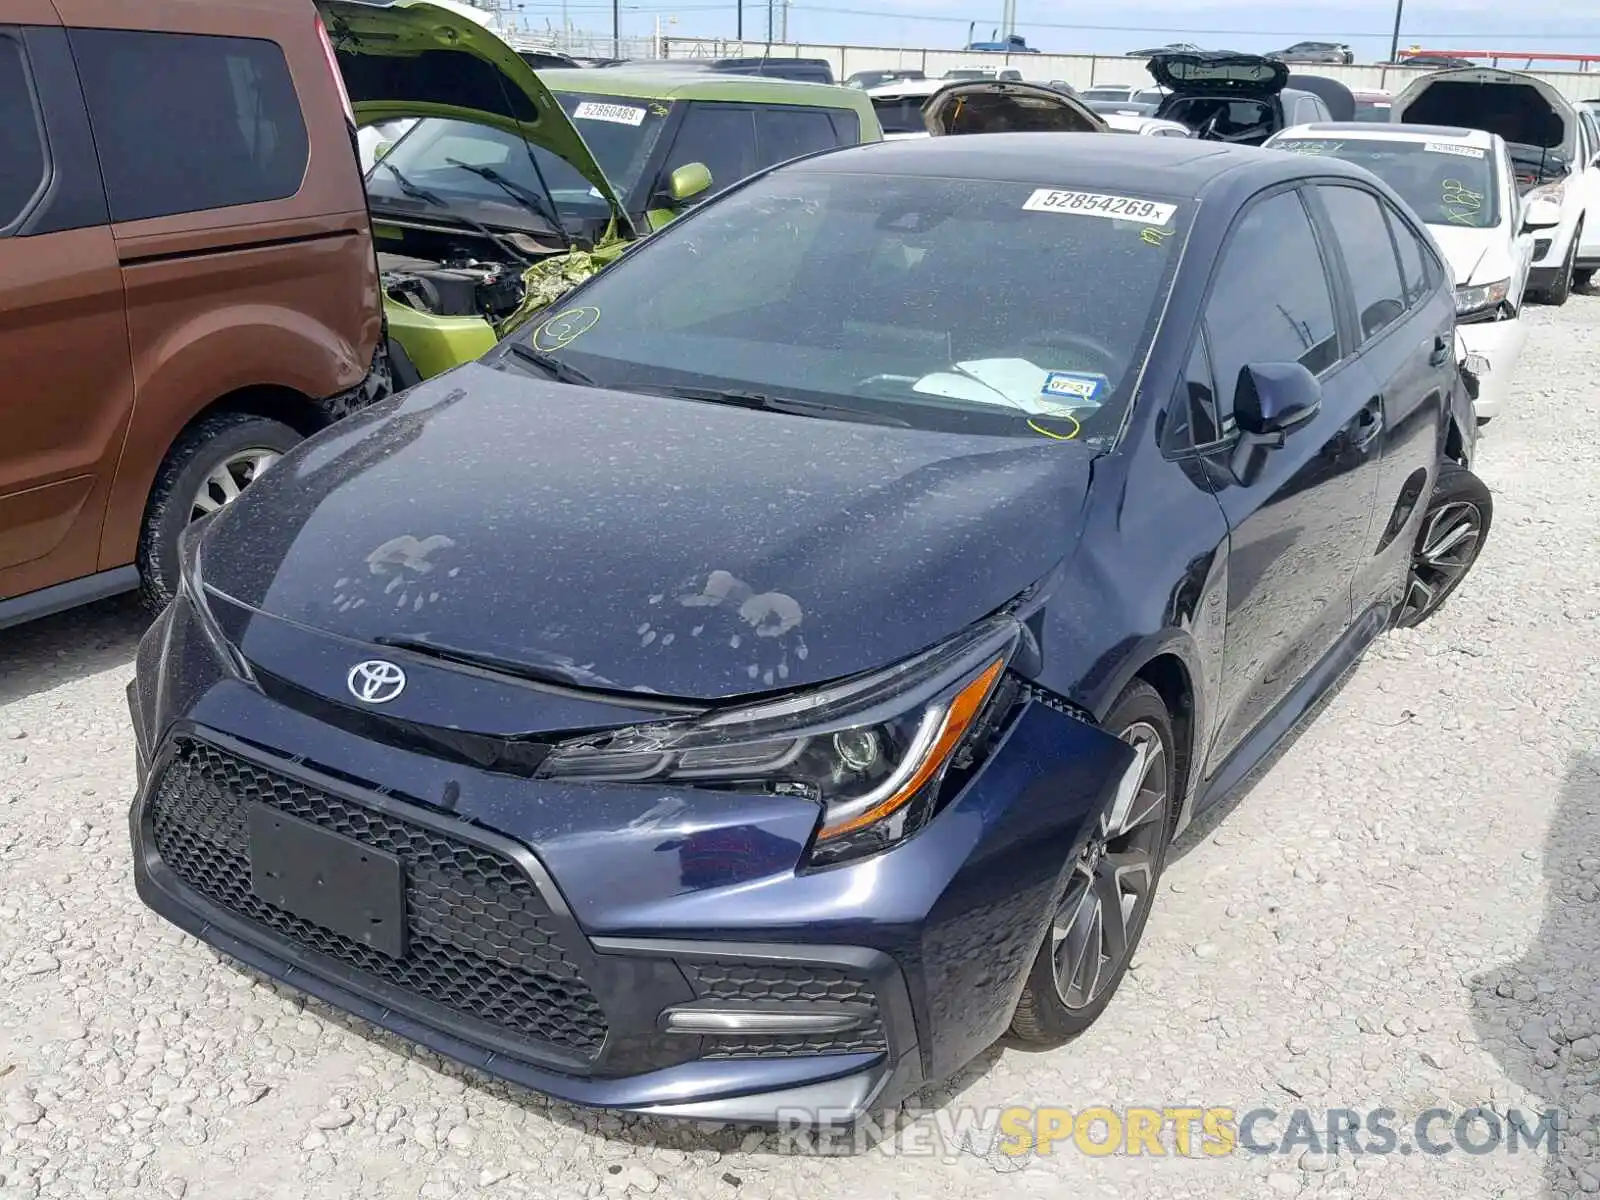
(1394, 42)
(771, 11)
(783, 22)
(739, 28)
(616, 28)
(1008, 20)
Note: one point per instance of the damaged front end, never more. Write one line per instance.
(827, 898)
(457, 274)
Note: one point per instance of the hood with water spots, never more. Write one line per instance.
(642, 543)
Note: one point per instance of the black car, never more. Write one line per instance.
(739, 696)
(1226, 96)
(1315, 52)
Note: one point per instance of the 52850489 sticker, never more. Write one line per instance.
(1098, 204)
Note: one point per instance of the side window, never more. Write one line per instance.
(1362, 232)
(722, 136)
(1418, 269)
(188, 122)
(1258, 312)
(846, 126)
(1194, 418)
(786, 133)
(20, 148)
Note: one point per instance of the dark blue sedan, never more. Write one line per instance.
(768, 679)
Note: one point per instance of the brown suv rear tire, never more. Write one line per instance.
(204, 447)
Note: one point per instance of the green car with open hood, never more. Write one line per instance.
(492, 204)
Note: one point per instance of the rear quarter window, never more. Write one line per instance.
(22, 153)
(190, 122)
(785, 133)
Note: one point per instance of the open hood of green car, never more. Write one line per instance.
(410, 58)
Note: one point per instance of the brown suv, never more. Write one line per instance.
(187, 277)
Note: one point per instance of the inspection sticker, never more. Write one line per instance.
(1074, 385)
(1458, 151)
(617, 114)
(1094, 204)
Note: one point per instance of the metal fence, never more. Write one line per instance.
(1080, 70)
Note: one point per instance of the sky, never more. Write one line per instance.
(1056, 26)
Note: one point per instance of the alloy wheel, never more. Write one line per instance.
(228, 478)
(1446, 550)
(1113, 880)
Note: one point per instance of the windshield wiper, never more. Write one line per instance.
(561, 372)
(764, 402)
(417, 192)
(527, 197)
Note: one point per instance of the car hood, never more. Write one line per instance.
(410, 58)
(1474, 255)
(1216, 71)
(636, 543)
(970, 106)
(1523, 109)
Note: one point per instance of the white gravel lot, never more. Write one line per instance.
(1401, 913)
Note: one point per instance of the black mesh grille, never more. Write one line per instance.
(481, 941)
(729, 980)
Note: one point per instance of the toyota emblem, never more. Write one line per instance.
(376, 681)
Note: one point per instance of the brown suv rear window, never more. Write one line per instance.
(20, 148)
(189, 122)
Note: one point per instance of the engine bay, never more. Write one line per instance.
(464, 274)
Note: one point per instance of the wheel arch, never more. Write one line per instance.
(119, 540)
(1171, 665)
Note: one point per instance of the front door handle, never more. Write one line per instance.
(1441, 351)
(1368, 424)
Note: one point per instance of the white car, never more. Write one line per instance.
(1145, 126)
(1554, 146)
(1461, 183)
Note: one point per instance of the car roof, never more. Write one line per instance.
(1185, 166)
(669, 83)
(1399, 133)
(910, 87)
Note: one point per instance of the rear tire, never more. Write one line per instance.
(1044, 1016)
(207, 447)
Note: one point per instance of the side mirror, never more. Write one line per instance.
(688, 181)
(1543, 212)
(1273, 398)
(381, 149)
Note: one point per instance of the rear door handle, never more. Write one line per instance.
(1368, 424)
(1441, 351)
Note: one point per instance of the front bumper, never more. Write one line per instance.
(1497, 346)
(558, 962)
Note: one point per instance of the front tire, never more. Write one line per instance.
(209, 465)
(1097, 923)
(1559, 292)
(1455, 525)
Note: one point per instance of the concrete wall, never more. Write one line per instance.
(1080, 70)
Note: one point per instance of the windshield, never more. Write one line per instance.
(619, 132)
(1446, 183)
(1020, 309)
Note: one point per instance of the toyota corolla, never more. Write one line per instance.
(781, 671)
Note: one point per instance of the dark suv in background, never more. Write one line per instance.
(187, 278)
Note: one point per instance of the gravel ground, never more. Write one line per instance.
(1400, 913)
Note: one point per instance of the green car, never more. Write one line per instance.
(508, 187)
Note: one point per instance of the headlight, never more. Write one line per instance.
(1480, 298)
(872, 751)
(192, 588)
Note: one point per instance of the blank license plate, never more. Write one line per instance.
(328, 879)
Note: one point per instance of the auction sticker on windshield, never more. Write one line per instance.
(617, 114)
(1097, 204)
(1459, 151)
